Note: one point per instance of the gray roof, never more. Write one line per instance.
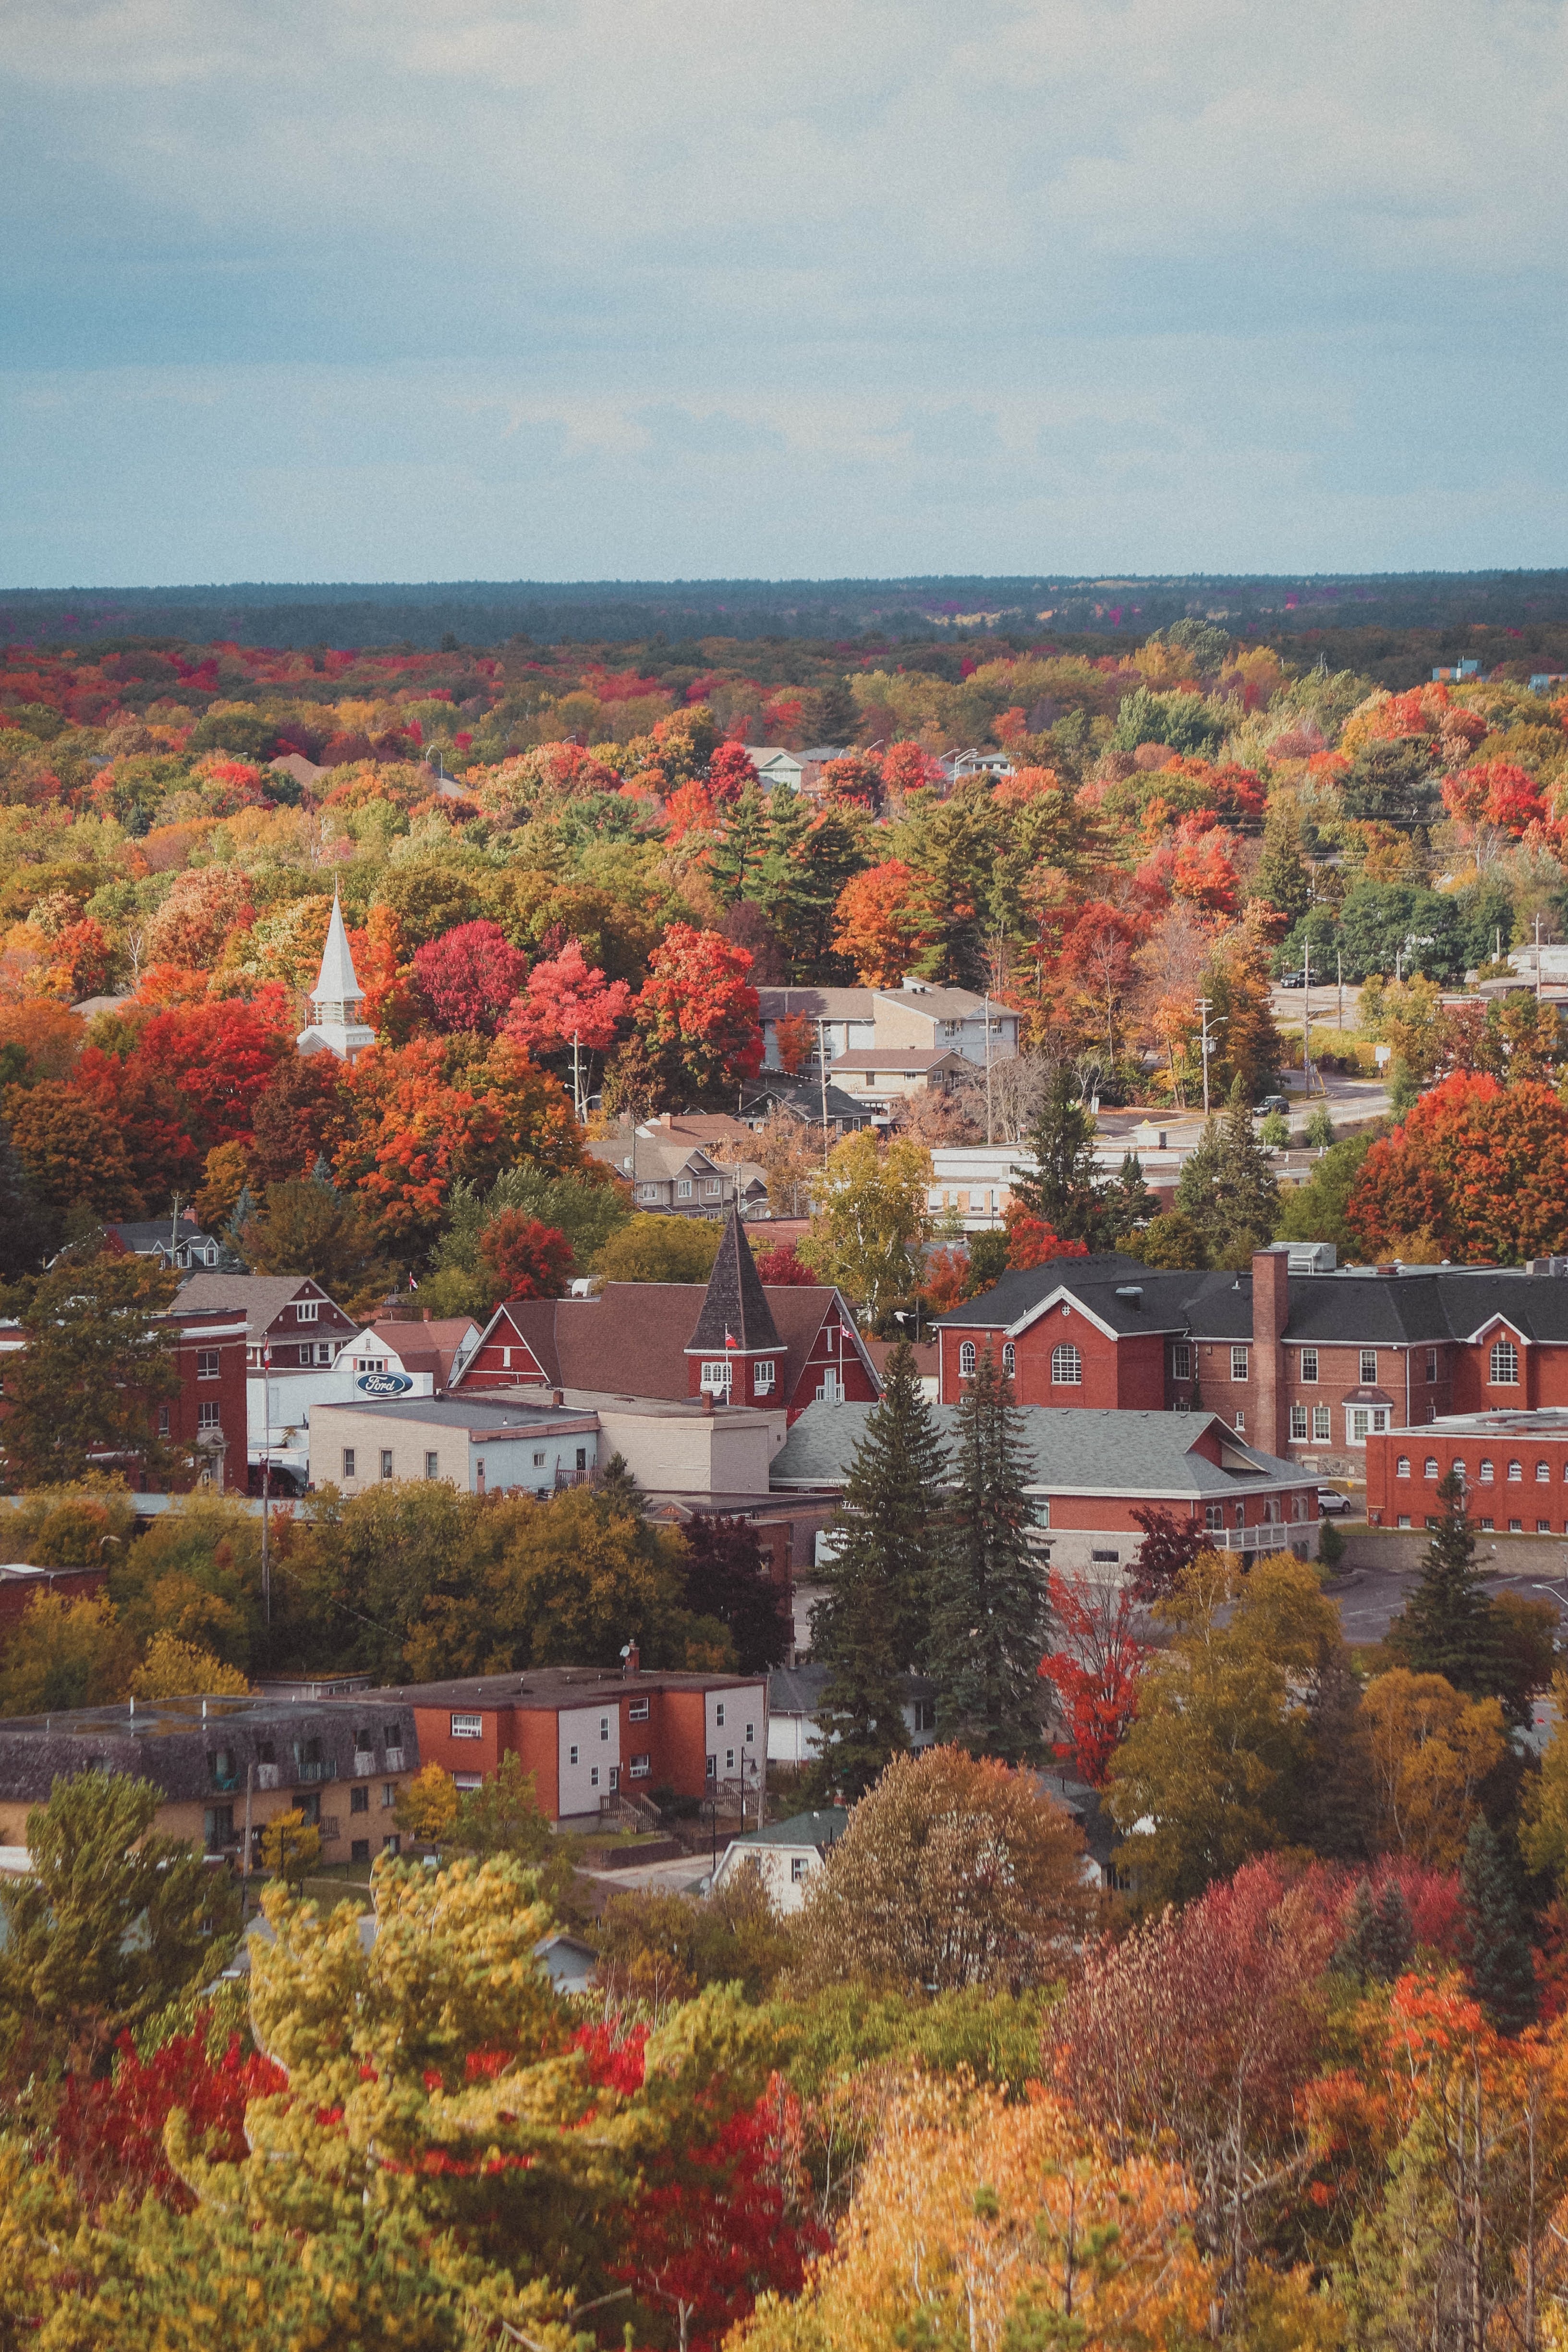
(261, 1297)
(1069, 1450)
(818, 1830)
(735, 1306)
(470, 1411)
(169, 1741)
(817, 1003)
(797, 1690)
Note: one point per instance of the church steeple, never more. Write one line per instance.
(334, 1026)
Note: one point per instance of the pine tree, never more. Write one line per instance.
(1393, 1935)
(1062, 1189)
(1354, 1955)
(736, 857)
(1447, 1626)
(1282, 879)
(835, 712)
(1228, 1187)
(874, 1623)
(1502, 1966)
(1129, 1202)
(991, 1615)
(1331, 1806)
(27, 1230)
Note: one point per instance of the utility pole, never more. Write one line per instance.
(576, 1080)
(1538, 958)
(1205, 1006)
(266, 1487)
(1339, 983)
(822, 1067)
(1306, 1021)
(990, 1130)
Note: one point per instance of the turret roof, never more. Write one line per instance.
(735, 1310)
(337, 982)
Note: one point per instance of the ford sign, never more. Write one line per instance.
(384, 1384)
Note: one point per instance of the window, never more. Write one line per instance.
(729, 1760)
(307, 1310)
(641, 1766)
(1239, 1364)
(1504, 1364)
(539, 1460)
(467, 1726)
(393, 1845)
(799, 1863)
(750, 1734)
(1458, 1471)
(925, 1714)
(386, 1462)
(1487, 1474)
(713, 1771)
(1009, 1358)
(761, 1381)
(1241, 1515)
(1429, 1468)
(712, 1184)
(571, 1753)
(1488, 1527)
(388, 1795)
(359, 1801)
(207, 1364)
(650, 1192)
(1515, 1472)
(1543, 1526)
(592, 1776)
(1182, 1361)
(966, 1361)
(348, 1461)
(209, 1418)
(582, 1457)
(1516, 1527)
(432, 1465)
(1322, 1429)
(719, 1715)
(716, 1377)
(1369, 1368)
(1066, 1367)
(1431, 1365)
(1241, 1421)
(1213, 1518)
(604, 1727)
(683, 1189)
(638, 1711)
(323, 1351)
(163, 1420)
(1402, 1467)
(1404, 1519)
(1105, 1559)
(1309, 1366)
(1298, 1421)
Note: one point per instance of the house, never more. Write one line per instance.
(882, 1076)
(410, 1347)
(788, 1344)
(861, 1020)
(1087, 1472)
(478, 1444)
(794, 1708)
(667, 1171)
(775, 766)
(294, 1338)
(1305, 1361)
(334, 1026)
(171, 1241)
(1513, 1465)
(959, 767)
(567, 1960)
(208, 1411)
(222, 1764)
(788, 1854)
(587, 1734)
(805, 1098)
(925, 1353)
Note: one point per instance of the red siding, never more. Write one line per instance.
(1499, 1498)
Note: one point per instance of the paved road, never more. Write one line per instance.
(1369, 1598)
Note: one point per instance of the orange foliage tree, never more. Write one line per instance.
(1479, 1169)
(881, 922)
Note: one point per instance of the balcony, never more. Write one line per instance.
(269, 1776)
(324, 1769)
(392, 1759)
(365, 1763)
(1274, 1537)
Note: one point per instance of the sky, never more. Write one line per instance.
(565, 289)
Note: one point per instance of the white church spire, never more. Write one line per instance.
(334, 1026)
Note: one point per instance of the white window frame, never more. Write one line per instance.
(1181, 1360)
(763, 1380)
(209, 1363)
(683, 1188)
(209, 1417)
(1368, 1367)
(718, 1375)
(1009, 1358)
(966, 1360)
(1066, 1366)
(307, 1310)
(467, 1726)
(638, 1711)
(1503, 1365)
(1322, 1425)
(1298, 1424)
(1309, 1368)
(1238, 1357)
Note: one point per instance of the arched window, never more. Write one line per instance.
(1543, 1473)
(1009, 1358)
(1431, 1469)
(1515, 1472)
(966, 1361)
(1402, 1467)
(1460, 1472)
(1487, 1474)
(1066, 1367)
(1505, 1364)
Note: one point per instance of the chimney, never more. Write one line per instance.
(631, 1661)
(1270, 1313)
(707, 1400)
(557, 1396)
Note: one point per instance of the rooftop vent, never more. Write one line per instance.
(1131, 1291)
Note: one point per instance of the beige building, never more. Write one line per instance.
(475, 1442)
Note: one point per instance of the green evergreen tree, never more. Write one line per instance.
(872, 1626)
(1282, 878)
(1447, 1626)
(1228, 1187)
(1062, 1188)
(1129, 1202)
(27, 1230)
(736, 859)
(1353, 1955)
(1503, 1965)
(1393, 1935)
(809, 857)
(834, 713)
(991, 1615)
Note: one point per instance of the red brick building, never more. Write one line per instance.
(1306, 1364)
(207, 1413)
(1514, 1466)
(734, 1340)
(588, 1735)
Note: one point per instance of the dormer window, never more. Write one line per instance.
(308, 1310)
(716, 1375)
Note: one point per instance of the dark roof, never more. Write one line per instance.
(797, 1690)
(818, 1830)
(472, 1409)
(169, 1741)
(549, 1687)
(631, 1340)
(735, 1309)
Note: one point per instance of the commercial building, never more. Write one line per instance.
(589, 1738)
(1303, 1359)
(1513, 1466)
(475, 1444)
(218, 1761)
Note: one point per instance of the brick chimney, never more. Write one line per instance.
(1270, 1313)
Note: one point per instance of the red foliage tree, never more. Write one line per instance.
(782, 1267)
(521, 1258)
(1031, 1242)
(1096, 1673)
(1477, 1167)
(301, 1113)
(697, 1009)
(107, 2135)
(730, 771)
(794, 1034)
(566, 997)
(188, 1078)
(469, 975)
(1167, 1547)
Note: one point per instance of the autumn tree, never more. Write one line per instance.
(521, 1258)
(954, 1871)
(1094, 1670)
(869, 1216)
(301, 1115)
(728, 1580)
(1061, 1188)
(98, 1361)
(1477, 1167)
(176, 1669)
(65, 1653)
(306, 1226)
(660, 1249)
(469, 975)
(698, 1011)
(1431, 1750)
(290, 1847)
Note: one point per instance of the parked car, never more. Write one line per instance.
(1332, 1504)
(1291, 980)
(1272, 1102)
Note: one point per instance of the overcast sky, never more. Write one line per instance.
(311, 290)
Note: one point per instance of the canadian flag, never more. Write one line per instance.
(730, 1338)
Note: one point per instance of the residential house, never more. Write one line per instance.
(1306, 1363)
(788, 1854)
(173, 1241)
(862, 1019)
(670, 1174)
(884, 1077)
(478, 1444)
(1513, 1466)
(775, 766)
(805, 1098)
(1087, 1474)
(589, 1737)
(795, 1711)
(404, 1346)
(221, 1764)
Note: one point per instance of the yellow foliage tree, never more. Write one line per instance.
(290, 1847)
(1430, 1748)
(1543, 1831)
(176, 1669)
(429, 1806)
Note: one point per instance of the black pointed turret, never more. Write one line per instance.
(735, 1313)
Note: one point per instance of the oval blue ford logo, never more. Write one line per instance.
(384, 1383)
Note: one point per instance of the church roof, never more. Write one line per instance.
(337, 984)
(735, 1310)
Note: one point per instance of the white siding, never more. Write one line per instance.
(595, 1732)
